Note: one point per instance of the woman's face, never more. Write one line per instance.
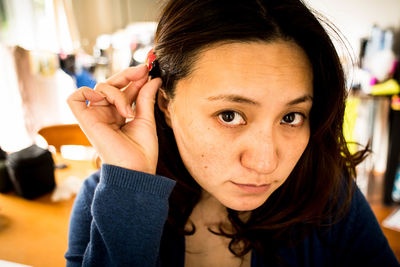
(241, 119)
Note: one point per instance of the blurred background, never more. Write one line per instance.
(49, 48)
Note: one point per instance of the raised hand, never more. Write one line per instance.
(122, 136)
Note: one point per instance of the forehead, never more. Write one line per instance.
(251, 68)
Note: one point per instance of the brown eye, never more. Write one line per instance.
(228, 116)
(289, 118)
(293, 119)
(231, 118)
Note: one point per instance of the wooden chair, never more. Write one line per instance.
(64, 134)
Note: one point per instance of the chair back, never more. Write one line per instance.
(64, 134)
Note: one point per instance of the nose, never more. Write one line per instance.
(261, 153)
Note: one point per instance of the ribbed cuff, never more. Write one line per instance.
(135, 180)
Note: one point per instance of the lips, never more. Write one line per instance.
(252, 188)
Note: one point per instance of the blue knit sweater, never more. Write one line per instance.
(119, 215)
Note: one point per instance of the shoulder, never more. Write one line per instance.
(354, 219)
(358, 237)
(359, 207)
(359, 212)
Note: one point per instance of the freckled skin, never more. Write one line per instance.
(261, 151)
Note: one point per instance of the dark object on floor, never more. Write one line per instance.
(31, 171)
(5, 182)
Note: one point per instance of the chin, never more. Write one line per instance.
(243, 204)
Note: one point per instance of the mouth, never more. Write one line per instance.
(252, 188)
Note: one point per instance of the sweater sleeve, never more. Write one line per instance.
(118, 219)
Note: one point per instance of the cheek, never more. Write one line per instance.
(294, 148)
(202, 150)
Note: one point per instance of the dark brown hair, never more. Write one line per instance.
(319, 189)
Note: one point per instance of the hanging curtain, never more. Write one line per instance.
(67, 30)
(13, 134)
(43, 88)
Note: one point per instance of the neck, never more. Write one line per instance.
(209, 212)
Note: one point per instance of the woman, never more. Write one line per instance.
(238, 160)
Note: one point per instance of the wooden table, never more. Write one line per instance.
(35, 232)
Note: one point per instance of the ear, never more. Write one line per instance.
(163, 103)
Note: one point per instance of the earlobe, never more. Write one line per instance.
(163, 103)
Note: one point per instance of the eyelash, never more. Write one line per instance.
(230, 112)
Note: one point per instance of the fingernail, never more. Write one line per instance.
(129, 112)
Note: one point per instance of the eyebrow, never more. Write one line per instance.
(301, 99)
(242, 99)
(234, 98)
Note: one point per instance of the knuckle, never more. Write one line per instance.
(73, 96)
(81, 90)
(100, 85)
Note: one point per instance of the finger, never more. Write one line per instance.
(132, 74)
(132, 90)
(146, 99)
(77, 101)
(115, 97)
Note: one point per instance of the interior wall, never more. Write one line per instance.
(96, 17)
(354, 18)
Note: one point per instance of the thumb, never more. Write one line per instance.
(146, 100)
